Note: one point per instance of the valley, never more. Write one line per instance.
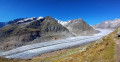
(29, 51)
(59, 31)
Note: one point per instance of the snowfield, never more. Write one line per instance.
(29, 51)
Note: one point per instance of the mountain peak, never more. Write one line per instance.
(80, 27)
(80, 19)
(48, 17)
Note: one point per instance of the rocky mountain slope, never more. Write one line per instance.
(23, 32)
(109, 24)
(80, 27)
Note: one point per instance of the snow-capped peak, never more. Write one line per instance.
(30, 19)
(25, 20)
(39, 18)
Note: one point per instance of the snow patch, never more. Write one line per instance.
(39, 18)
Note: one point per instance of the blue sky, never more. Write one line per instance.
(92, 11)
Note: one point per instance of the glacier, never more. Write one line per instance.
(29, 51)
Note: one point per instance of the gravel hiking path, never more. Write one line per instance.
(117, 52)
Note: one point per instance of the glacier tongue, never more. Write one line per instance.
(29, 51)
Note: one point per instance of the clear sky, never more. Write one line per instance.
(91, 11)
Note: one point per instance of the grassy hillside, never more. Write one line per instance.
(103, 50)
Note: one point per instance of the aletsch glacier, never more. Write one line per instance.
(29, 51)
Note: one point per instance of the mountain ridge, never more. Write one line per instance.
(19, 34)
(108, 24)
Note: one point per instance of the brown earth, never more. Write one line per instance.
(117, 53)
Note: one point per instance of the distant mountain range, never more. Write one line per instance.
(109, 24)
(2, 24)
